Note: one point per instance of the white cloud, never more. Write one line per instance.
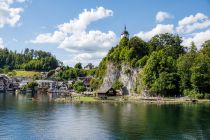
(89, 41)
(84, 19)
(161, 16)
(192, 23)
(198, 39)
(8, 15)
(1, 43)
(73, 37)
(159, 29)
(55, 37)
(192, 19)
(85, 58)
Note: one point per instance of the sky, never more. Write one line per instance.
(84, 30)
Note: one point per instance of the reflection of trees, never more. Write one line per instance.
(136, 121)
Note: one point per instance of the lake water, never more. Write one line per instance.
(22, 119)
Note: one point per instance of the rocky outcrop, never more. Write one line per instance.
(124, 73)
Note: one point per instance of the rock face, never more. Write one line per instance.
(125, 74)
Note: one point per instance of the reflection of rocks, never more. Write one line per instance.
(125, 74)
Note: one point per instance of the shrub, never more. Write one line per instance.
(79, 86)
(207, 96)
(117, 85)
(194, 94)
(199, 96)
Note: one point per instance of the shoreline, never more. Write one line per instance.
(130, 99)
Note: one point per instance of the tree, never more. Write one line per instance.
(184, 64)
(166, 84)
(79, 86)
(140, 48)
(95, 83)
(28, 60)
(160, 68)
(163, 40)
(78, 66)
(206, 48)
(200, 77)
(124, 41)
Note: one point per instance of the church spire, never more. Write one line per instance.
(125, 33)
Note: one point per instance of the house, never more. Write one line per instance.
(107, 92)
(6, 83)
(3, 83)
(62, 86)
(15, 82)
(86, 81)
(58, 69)
(23, 83)
(44, 75)
(46, 84)
(89, 66)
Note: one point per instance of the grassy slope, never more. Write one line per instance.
(26, 73)
(85, 99)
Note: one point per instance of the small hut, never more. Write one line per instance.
(107, 92)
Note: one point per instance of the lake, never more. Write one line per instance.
(21, 118)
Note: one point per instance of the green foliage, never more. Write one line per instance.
(165, 84)
(50, 73)
(5, 69)
(200, 77)
(95, 83)
(124, 41)
(12, 73)
(184, 64)
(32, 85)
(28, 60)
(193, 94)
(168, 67)
(142, 62)
(26, 73)
(79, 86)
(207, 96)
(206, 48)
(163, 40)
(78, 66)
(117, 85)
(101, 70)
(128, 51)
(69, 73)
(159, 74)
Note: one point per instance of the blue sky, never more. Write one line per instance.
(55, 26)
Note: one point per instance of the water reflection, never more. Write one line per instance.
(22, 118)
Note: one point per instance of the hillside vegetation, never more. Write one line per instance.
(32, 60)
(25, 73)
(167, 67)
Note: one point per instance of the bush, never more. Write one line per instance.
(117, 85)
(95, 83)
(193, 93)
(79, 86)
(142, 62)
(207, 96)
(199, 96)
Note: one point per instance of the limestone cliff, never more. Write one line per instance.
(124, 73)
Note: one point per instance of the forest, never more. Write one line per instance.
(35, 60)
